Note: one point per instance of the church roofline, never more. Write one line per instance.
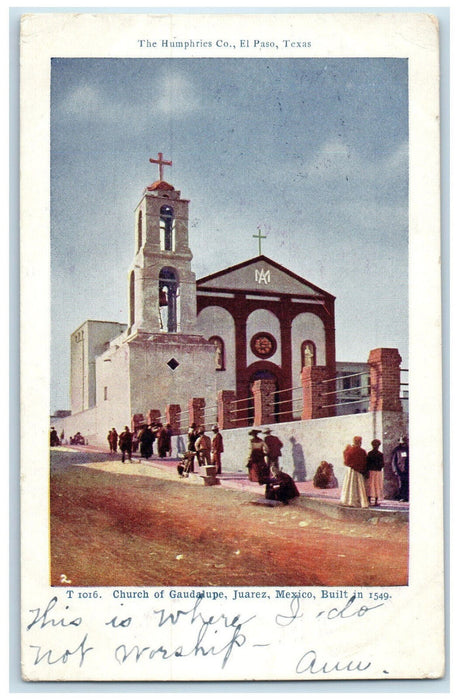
(93, 320)
(263, 258)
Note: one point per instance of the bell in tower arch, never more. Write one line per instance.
(168, 300)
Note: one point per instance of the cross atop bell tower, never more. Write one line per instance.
(161, 164)
(162, 286)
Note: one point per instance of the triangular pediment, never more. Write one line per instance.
(262, 275)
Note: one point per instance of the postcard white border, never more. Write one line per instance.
(421, 605)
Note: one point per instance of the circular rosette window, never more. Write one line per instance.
(263, 345)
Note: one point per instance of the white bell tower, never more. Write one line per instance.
(162, 286)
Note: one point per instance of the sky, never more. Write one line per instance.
(312, 151)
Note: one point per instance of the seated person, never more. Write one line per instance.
(325, 478)
(281, 487)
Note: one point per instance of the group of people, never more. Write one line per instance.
(56, 440)
(363, 484)
(141, 440)
(207, 450)
(263, 467)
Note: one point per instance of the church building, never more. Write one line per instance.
(188, 338)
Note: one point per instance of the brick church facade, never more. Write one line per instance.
(266, 323)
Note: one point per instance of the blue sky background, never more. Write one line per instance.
(313, 151)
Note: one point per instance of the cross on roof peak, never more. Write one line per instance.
(259, 236)
(161, 164)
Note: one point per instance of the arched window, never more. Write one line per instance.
(139, 231)
(166, 227)
(131, 299)
(219, 352)
(308, 354)
(168, 296)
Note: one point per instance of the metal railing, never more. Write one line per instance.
(346, 396)
(289, 401)
(362, 391)
(249, 409)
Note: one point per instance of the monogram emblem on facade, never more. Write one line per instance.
(263, 276)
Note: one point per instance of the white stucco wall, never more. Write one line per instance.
(112, 373)
(84, 422)
(214, 320)
(154, 384)
(307, 443)
(86, 343)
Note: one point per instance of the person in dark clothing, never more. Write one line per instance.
(281, 487)
(274, 447)
(325, 478)
(256, 462)
(375, 466)
(146, 440)
(400, 462)
(112, 438)
(164, 441)
(192, 437)
(125, 444)
(169, 439)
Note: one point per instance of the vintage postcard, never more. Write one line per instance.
(231, 347)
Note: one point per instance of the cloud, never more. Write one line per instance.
(331, 162)
(177, 95)
(84, 101)
(348, 174)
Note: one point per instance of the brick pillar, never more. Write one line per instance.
(173, 413)
(196, 411)
(153, 416)
(263, 400)
(136, 421)
(385, 379)
(224, 400)
(314, 391)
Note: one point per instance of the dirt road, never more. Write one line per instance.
(112, 529)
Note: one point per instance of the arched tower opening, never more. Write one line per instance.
(167, 227)
(169, 310)
(139, 230)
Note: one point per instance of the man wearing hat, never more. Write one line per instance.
(217, 449)
(375, 466)
(203, 446)
(256, 463)
(125, 444)
(274, 447)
